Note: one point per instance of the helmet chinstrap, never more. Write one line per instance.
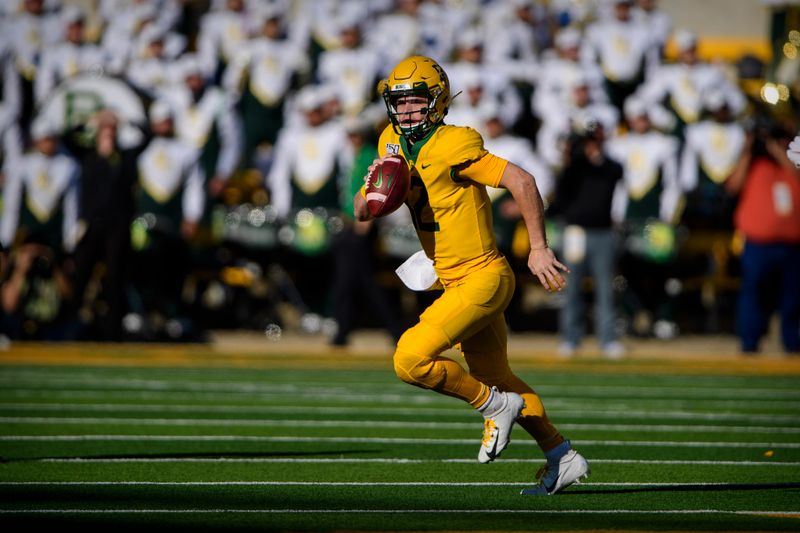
(419, 129)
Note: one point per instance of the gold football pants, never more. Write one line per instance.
(470, 313)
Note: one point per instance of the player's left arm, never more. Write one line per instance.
(541, 260)
(494, 171)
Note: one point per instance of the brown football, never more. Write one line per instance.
(387, 186)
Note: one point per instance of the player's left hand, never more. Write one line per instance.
(545, 266)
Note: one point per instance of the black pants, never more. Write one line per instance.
(354, 284)
(109, 244)
(159, 272)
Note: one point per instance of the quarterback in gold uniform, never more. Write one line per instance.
(452, 214)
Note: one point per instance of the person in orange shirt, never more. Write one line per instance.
(768, 216)
(451, 210)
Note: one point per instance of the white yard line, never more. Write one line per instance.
(266, 422)
(554, 399)
(345, 484)
(457, 411)
(610, 390)
(382, 440)
(792, 513)
(399, 460)
(377, 378)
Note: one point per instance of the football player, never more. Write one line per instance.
(450, 169)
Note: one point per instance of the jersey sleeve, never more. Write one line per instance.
(488, 170)
(463, 145)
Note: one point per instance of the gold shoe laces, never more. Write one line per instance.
(489, 428)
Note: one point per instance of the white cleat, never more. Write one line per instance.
(497, 428)
(572, 468)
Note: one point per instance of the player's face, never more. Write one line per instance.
(411, 110)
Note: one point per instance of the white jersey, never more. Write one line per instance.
(509, 38)
(221, 34)
(269, 65)
(510, 45)
(325, 17)
(166, 166)
(11, 95)
(440, 23)
(645, 158)
(394, 36)
(557, 81)
(622, 49)
(10, 139)
(657, 22)
(519, 151)
(712, 147)
(124, 38)
(464, 113)
(153, 74)
(29, 35)
(64, 61)
(131, 13)
(558, 125)
(685, 85)
(353, 72)
(495, 84)
(194, 122)
(44, 184)
(308, 157)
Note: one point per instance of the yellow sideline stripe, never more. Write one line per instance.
(594, 530)
(726, 48)
(274, 355)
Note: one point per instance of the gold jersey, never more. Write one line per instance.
(449, 205)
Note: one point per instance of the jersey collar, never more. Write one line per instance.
(412, 152)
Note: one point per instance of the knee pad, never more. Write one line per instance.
(415, 357)
(418, 370)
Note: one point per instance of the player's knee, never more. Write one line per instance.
(418, 370)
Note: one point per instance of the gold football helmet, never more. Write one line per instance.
(417, 76)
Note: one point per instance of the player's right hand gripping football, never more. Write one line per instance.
(360, 210)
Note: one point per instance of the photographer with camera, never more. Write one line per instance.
(583, 198)
(768, 216)
(34, 293)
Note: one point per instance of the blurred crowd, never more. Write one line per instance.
(171, 166)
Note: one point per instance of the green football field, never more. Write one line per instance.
(142, 438)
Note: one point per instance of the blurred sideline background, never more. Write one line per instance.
(240, 128)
